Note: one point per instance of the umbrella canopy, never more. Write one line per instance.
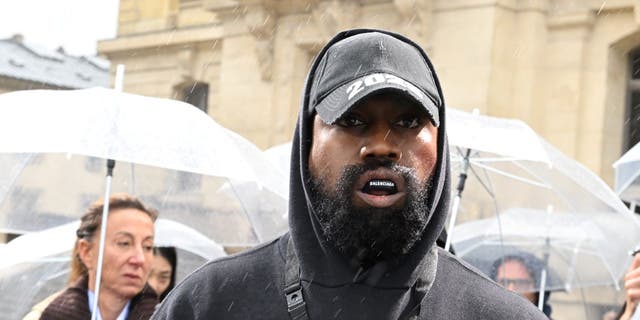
(576, 249)
(627, 175)
(509, 167)
(42, 260)
(170, 154)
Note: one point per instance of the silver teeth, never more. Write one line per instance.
(381, 183)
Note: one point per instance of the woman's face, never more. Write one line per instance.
(160, 276)
(128, 253)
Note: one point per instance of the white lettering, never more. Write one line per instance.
(373, 79)
(354, 88)
(376, 78)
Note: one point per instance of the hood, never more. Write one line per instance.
(320, 263)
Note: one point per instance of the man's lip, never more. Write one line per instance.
(380, 201)
(383, 201)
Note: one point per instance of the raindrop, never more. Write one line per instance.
(230, 306)
(601, 7)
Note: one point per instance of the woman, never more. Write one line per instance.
(163, 271)
(128, 254)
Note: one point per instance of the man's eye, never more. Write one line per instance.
(409, 122)
(349, 121)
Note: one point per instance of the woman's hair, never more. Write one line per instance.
(168, 253)
(91, 221)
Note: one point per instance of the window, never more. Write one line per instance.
(197, 94)
(632, 120)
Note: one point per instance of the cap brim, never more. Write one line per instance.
(340, 100)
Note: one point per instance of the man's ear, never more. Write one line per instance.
(86, 253)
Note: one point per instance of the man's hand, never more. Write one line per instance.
(632, 288)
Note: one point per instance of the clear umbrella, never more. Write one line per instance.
(53, 161)
(142, 133)
(42, 259)
(576, 248)
(509, 167)
(627, 175)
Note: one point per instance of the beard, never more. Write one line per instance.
(369, 234)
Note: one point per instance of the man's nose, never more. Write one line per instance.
(380, 143)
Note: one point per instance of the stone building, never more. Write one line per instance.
(569, 68)
(563, 66)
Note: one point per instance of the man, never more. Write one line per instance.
(521, 273)
(369, 197)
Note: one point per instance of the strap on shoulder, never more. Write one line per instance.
(292, 286)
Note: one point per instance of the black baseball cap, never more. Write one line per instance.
(372, 62)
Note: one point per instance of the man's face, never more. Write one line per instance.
(370, 176)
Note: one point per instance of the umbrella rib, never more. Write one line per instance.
(23, 164)
(558, 192)
(512, 176)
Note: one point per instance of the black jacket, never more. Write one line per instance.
(251, 285)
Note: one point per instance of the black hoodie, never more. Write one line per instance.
(429, 283)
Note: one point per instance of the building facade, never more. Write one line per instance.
(566, 67)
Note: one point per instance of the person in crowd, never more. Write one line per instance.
(521, 273)
(631, 290)
(369, 196)
(128, 254)
(163, 270)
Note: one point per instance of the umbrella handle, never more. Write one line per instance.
(543, 284)
(452, 221)
(103, 230)
(456, 200)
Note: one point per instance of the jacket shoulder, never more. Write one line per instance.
(460, 291)
(239, 286)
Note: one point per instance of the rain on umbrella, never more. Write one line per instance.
(161, 145)
(510, 168)
(42, 259)
(574, 248)
(57, 139)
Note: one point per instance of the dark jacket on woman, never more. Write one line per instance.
(73, 304)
